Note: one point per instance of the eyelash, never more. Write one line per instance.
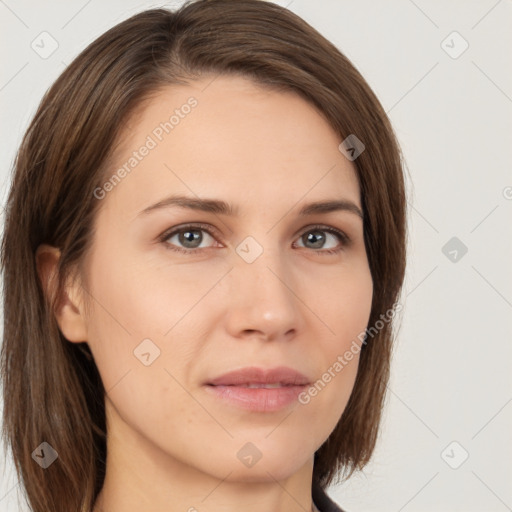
(345, 240)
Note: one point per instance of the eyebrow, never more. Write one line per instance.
(218, 206)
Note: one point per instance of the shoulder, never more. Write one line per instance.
(323, 502)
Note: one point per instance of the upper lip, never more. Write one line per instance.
(254, 375)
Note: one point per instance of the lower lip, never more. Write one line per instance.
(257, 399)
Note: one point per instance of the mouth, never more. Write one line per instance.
(258, 390)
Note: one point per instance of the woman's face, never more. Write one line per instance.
(257, 287)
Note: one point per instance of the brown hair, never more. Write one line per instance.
(52, 390)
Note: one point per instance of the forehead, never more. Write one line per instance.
(228, 137)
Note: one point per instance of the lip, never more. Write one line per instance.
(231, 388)
(255, 375)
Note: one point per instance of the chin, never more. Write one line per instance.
(264, 464)
(263, 474)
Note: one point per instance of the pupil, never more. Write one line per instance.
(316, 239)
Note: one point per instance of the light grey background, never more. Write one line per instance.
(451, 378)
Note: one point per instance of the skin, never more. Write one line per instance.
(171, 445)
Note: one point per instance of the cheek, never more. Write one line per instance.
(347, 301)
(347, 307)
(143, 346)
(137, 295)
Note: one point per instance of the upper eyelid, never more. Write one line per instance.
(205, 227)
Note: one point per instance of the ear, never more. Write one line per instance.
(69, 305)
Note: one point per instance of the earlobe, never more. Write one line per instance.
(69, 311)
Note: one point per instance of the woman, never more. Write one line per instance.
(204, 245)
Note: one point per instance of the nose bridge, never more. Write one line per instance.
(263, 267)
(262, 286)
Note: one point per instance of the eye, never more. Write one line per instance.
(190, 237)
(316, 235)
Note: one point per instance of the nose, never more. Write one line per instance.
(263, 301)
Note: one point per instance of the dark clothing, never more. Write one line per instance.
(322, 500)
